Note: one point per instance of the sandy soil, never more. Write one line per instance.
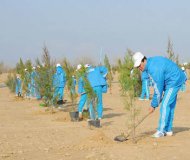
(29, 132)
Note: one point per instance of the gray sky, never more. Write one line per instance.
(79, 28)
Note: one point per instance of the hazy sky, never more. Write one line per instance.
(79, 28)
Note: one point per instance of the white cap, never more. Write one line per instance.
(137, 58)
(183, 68)
(87, 65)
(25, 69)
(79, 66)
(33, 67)
(58, 65)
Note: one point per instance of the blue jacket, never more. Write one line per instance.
(97, 76)
(165, 74)
(59, 78)
(144, 76)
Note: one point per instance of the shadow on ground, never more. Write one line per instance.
(106, 123)
(107, 109)
(180, 129)
(111, 115)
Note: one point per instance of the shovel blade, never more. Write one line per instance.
(121, 138)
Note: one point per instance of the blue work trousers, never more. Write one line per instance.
(18, 89)
(167, 110)
(59, 93)
(97, 111)
(82, 102)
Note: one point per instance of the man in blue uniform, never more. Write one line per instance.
(97, 78)
(59, 81)
(18, 88)
(27, 84)
(81, 92)
(168, 79)
(34, 87)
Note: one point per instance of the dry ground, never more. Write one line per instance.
(28, 132)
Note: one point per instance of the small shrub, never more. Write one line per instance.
(11, 82)
(44, 79)
(129, 81)
(109, 75)
(69, 69)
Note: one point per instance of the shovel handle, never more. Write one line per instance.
(143, 118)
(138, 123)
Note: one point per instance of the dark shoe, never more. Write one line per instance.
(95, 123)
(60, 102)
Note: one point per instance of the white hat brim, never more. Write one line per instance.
(137, 63)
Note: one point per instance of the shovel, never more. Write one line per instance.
(123, 137)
